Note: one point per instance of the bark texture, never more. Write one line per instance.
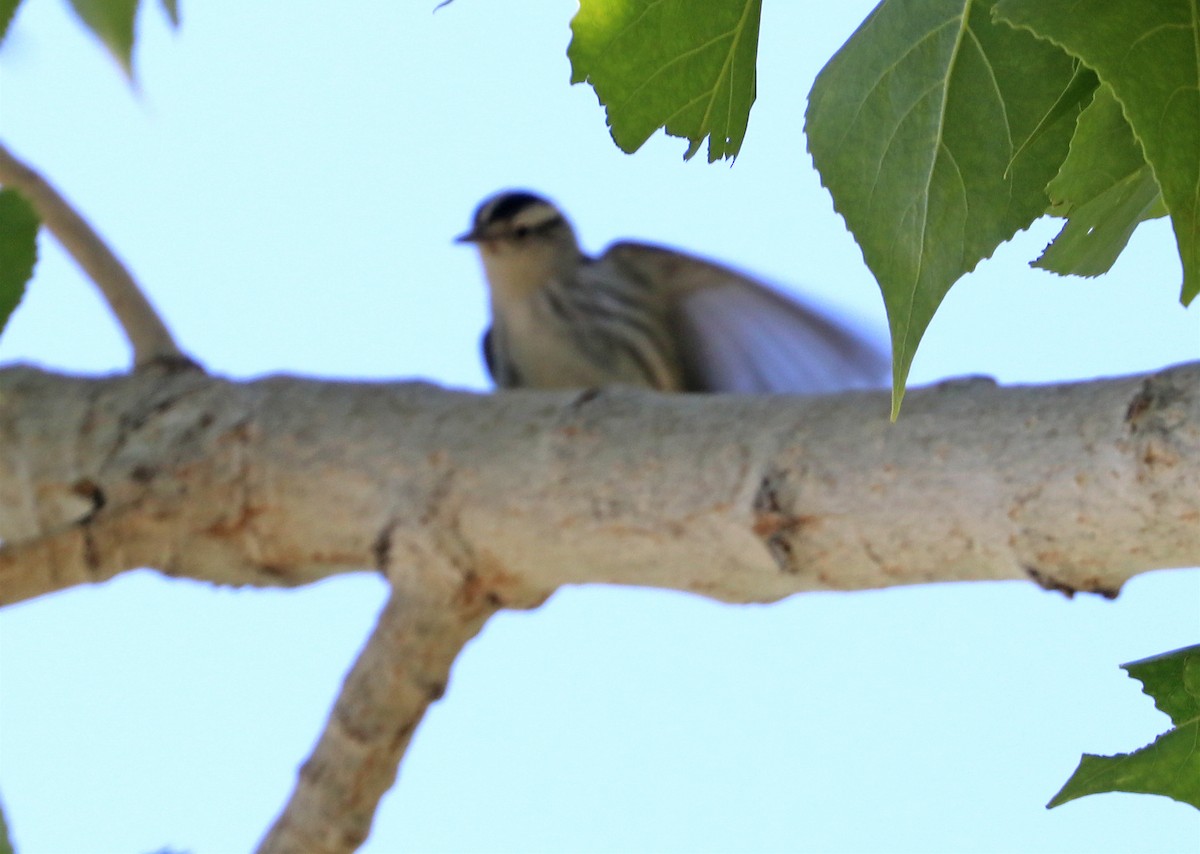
(284, 481)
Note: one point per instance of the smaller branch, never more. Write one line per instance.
(147, 334)
(431, 614)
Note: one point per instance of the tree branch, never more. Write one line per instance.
(405, 666)
(147, 334)
(285, 481)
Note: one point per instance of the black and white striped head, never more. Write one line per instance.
(517, 218)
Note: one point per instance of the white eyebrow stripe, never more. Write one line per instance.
(537, 216)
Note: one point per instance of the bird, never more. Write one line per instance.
(645, 315)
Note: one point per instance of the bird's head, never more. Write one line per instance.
(522, 239)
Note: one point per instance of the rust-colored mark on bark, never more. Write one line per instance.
(229, 526)
(1158, 454)
(490, 584)
(774, 525)
(479, 593)
(90, 491)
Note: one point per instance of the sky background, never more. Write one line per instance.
(285, 183)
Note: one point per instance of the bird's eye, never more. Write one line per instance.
(521, 232)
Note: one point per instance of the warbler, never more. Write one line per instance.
(645, 315)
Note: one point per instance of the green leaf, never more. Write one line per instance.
(1147, 53)
(672, 64)
(8, 9)
(18, 250)
(1171, 765)
(1077, 95)
(1104, 188)
(930, 129)
(171, 8)
(6, 846)
(1098, 229)
(1103, 153)
(5, 842)
(1172, 680)
(112, 22)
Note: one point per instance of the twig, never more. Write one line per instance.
(146, 332)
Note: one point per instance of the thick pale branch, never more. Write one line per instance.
(147, 334)
(284, 481)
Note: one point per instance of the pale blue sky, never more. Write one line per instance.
(286, 186)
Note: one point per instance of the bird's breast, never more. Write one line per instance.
(544, 345)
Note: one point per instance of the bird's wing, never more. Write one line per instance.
(737, 334)
(489, 353)
(501, 370)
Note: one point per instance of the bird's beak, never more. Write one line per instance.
(472, 236)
